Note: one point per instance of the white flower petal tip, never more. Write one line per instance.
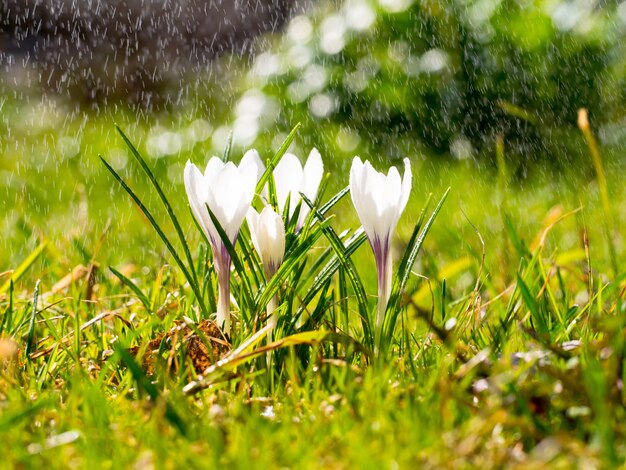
(291, 179)
(379, 199)
(227, 190)
(251, 161)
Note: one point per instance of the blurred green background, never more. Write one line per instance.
(435, 81)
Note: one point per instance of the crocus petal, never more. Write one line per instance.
(392, 194)
(213, 167)
(271, 238)
(363, 197)
(313, 173)
(356, 184)
(379, 199)
(291, 179)
(196, 193)
(193, 179)
(288, 181)
(405, 192)
(224, 199)
(252, 217)
(311, 178)
(231, 193)
(251, 161)
(406, 184)
(268, 237)
(248, 179)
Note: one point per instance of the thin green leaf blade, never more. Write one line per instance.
(404, 270)
(160, 233)
(132, 286)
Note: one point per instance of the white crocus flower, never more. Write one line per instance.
(291, 179)
(267, 231)
(228, 191)
(268, 237)
(379, 200)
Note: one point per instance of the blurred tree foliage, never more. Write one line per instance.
(386, 77)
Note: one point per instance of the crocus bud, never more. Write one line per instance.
(267, 231)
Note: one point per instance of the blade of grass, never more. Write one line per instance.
(255, 267)
(333, 265)
(132, 286)
(533, 306)
(312, 322)
(228, 147)
(31, 326)
(292, 259)
(405, 266)
(10, 421)
(7, 318)
(518, 243)
(346, 262)
(334, 200)
(146, 385)
(596, 157)
(27, 263)
(168, 207)
(243, 355)
(190, 278)
(271, 164)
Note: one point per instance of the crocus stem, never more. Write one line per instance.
(223, 301)
(384, 267)
(272, 314)
(272, 318)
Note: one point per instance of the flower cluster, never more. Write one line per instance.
(225, 192)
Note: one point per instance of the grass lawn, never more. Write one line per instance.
(508, 347)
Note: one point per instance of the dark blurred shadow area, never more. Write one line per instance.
(134, 51)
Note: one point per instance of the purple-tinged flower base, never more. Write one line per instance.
(223, 301)
(222, 268)
(384, 267)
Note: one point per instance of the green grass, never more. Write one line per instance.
(508, 347)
